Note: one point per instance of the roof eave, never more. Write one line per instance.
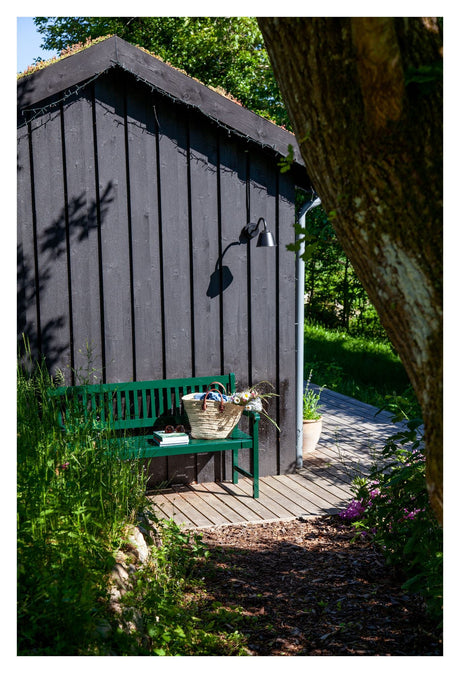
(100, 57)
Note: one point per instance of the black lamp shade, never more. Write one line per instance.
(265, 240)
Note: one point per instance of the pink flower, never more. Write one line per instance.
(354, 510)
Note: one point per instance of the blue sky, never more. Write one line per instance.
(28, 44)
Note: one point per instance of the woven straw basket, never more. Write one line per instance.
(210, 419)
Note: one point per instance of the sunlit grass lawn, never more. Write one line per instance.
(366, 369)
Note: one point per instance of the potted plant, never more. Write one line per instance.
(312, 418)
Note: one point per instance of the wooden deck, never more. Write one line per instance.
(351, 438)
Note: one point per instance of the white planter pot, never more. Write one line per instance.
(311, 435)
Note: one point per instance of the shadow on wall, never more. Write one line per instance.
(221, 278)
(35, 273)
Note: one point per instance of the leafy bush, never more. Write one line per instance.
(178, 618)
(392, 507)
(74, 502)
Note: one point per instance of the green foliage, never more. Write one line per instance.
(311, 405)
(393, 509)
(74, 502)
(178, 618)
(222, 52)
(334, 295)
(425, 77)
(364, 368)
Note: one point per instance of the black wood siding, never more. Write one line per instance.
(130, 208)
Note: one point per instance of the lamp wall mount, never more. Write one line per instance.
(265, 239)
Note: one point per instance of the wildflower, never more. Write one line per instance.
(61, 468)
(412, 514)
(354, 510)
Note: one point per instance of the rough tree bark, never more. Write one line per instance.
(365, 99)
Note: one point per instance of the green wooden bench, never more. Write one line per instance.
(131, 411)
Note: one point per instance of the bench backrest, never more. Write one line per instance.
(131, 405)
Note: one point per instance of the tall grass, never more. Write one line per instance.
(74, 502)
(366, 369)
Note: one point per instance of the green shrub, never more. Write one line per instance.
(178, 617)
(392, 507)
(74, 502)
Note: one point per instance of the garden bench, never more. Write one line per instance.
(131, 411)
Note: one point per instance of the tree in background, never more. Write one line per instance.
(222, 52)
(365, 99)
(335, 298)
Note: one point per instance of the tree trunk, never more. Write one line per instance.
(365, 99)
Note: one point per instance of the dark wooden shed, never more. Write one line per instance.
(134, 183)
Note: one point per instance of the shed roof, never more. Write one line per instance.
(65, 75)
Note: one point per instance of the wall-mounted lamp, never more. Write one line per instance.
(265, 239)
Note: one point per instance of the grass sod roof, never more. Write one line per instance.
(79, 65)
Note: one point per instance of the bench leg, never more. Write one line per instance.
(255, 458)
(234, 465)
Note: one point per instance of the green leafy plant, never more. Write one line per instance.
(392, 508)
(311, 399)
(178, 618)
(74, 503)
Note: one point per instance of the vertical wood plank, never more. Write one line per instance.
(264, 301)
(234, 260)
(142, 153)
(205, 247)
(177, 274)
(235, 316)
(204, 212)
(286, 325)
(82, 210)
(177, 271)
(51, 230)
(27, 294)
(110, 129)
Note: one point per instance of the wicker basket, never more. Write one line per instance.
(210, 419)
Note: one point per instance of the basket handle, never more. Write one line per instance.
(217, 383)
(213, 390)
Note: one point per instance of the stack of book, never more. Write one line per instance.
(161, 437)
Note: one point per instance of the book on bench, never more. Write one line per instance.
(162, 437)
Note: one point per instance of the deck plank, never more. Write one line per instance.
(274, 508)
(198, 510)
(163, 505)
(306, 488)
(229, 498)
(215, 509)
(308, 501)
(294, 505)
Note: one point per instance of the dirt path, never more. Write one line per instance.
(312, 592)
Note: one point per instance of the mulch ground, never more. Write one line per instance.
(308, 590)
